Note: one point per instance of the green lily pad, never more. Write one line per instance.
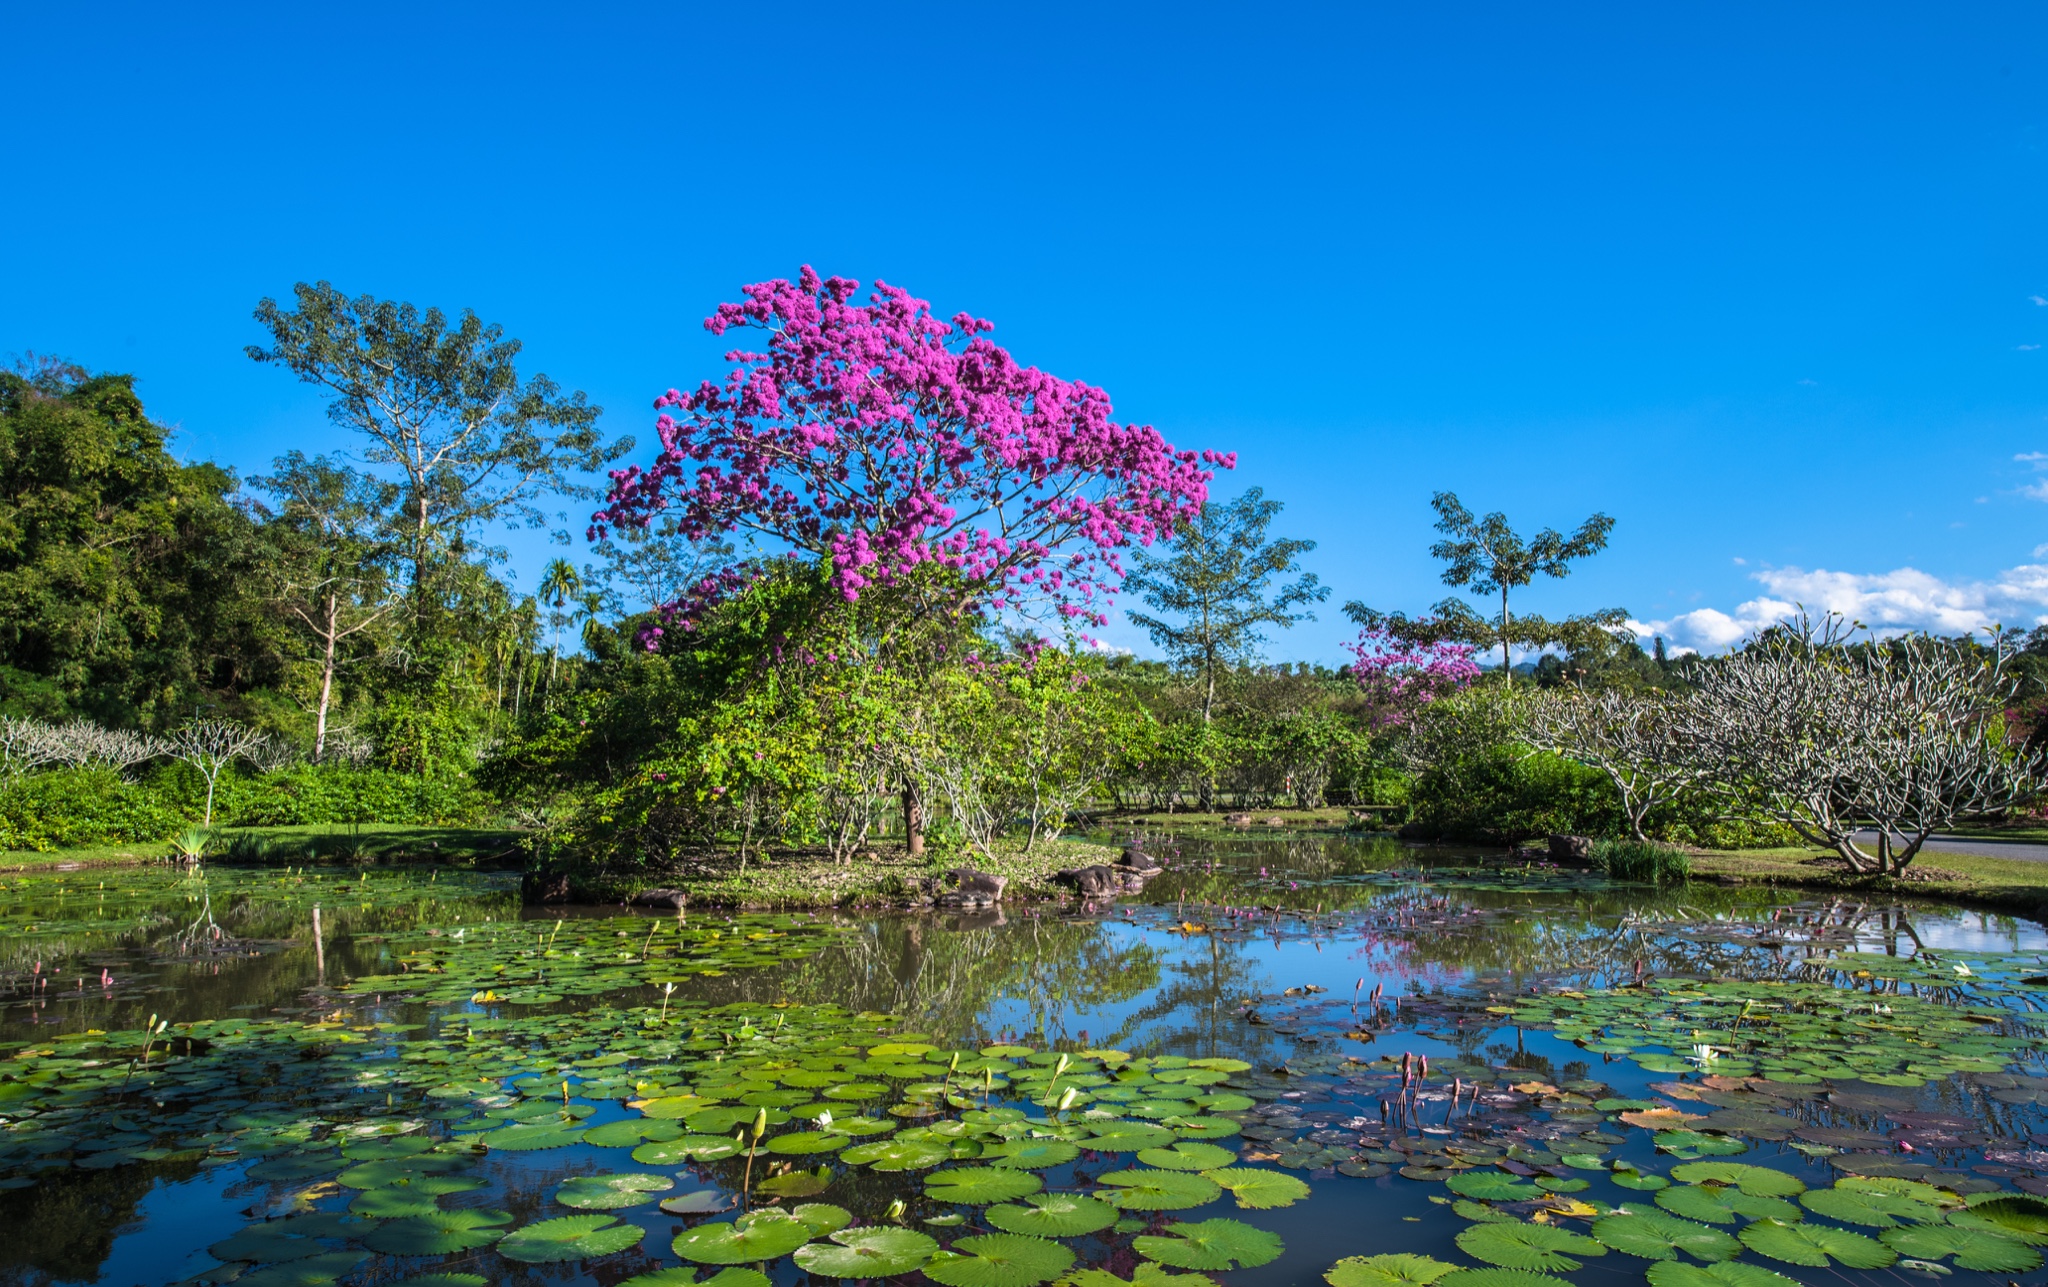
(311, 1271)
(1143, 1274)
(632, 1132)
(1875, 1208)
(730, 1243)
(1187, 1156)
(1756, 1181)
(532, 1136)
(289, 1238)
(438, 1234)
(444, 1280)
(978, 1185)
(1693, 1143)
(822, 1218)
(611, 1192)
(576, 1237)
(2013, 1215)
(1716, 1205)
(1972, 1248)
(872, 1252)
(1395, 1270)
(685, 1148)
(684, 1276)
(1256, 1189)
(374, 1175)
(1653, 1235)
(1813, 1244)
(1128, 1137)
(1629, 1178)
(1734, 1273)
(1491, 1277)
(796, 1184)
(898, 1154)
(1000, 1260)
(1492, 1186)
(809, 1142)
(1211, 1244)
(1145, 1189)
(1527, 1246)
(1053, 1215)
(1031, 1154)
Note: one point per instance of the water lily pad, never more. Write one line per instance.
(530, 1136)
(1143, 1274)
(1211, 1244)
(898, 1154)
(289, 1238)
(978, 1185)
(1653, 1235)
(1813, 1244)
(796, 1184)
(1128, 1137)
(1256, 1189)
(1716, 1205)
(1146, 1189)
(311, 1271)
(1491, 1277)
(873, 1252)
(2013, 1215)
(1875, 1208)
(630, 1132)
(1395, 1270)
(1734, 1273)
(576, 1237)
(1000, 1260)
(1053, 1215)
(1492, 1186)
(1031, 1154)
(1527, 1246)
(438, 1234)
(611, 1192)
(1756, 1181)
(444, 1280)
(698, 1202)
(685, 1148)
(1694, 1143)
(684, 1276)
(1972, 1248)
(809, 1142)
(728, 1243)
(373, 1175)
(821, 1218)
(1189, 1155)
(1629, 1178)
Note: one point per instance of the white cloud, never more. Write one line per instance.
(2027, 348)
(1887, 602)
(2039, 300)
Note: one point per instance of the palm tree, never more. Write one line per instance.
(559, 583)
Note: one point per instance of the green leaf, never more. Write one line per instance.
(1499, 1278)
(799, 1142)
(1654, 1235)
(1637, 1180)
(611, 1192)
(1492, 1186)
(1211, 1244)
(898, 1154)
(1000, 1260)
(1031, 1155)
(631, 1132)
(375, 1175)
(444, 1280)
(796, 1184)
(1676, 1273)
(1256, 1189)
(728, 1243)
(822, 1218)
(873, 1252)
(440, 1233)
(1396, 1270)
(2013, 1215)
(685, 1148)
(1756, 1181)
(1716, 1205)
(312, 1271)
(1698, 1142)
(1144, 1274)
(684, 1276)
(1128, 1137)
(576, 1237)
(979, 1185)
(289, 1238)
(1187, 1156)
(1144, 1189)
(530, 1136)
(1526, 1246)
(1053, 1215)
(1875, 1208)
(1813, 1244)
(1972, 1248)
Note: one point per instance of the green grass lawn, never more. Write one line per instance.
(460, 845)
(1982, 880)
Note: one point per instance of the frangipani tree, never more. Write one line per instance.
(883, 441)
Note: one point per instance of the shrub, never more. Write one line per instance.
(1652, 864)
(67, 807)
(1509, 793)
(312, 794)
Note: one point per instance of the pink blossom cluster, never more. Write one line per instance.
(1403, 677)
(881, 439)
(684, 611)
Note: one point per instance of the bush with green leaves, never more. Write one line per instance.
(1639, 860)
(68, 807)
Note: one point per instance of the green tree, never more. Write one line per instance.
(559, 583)
(129, 582)
(331, 559)
(444, 410)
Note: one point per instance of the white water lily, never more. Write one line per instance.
(825, 1120)
(1705, 1054)
(1962, 970)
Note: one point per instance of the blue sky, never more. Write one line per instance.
(1766, 283)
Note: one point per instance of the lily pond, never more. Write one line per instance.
(1288, 1061)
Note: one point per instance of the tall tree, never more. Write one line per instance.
(331, 574)
(444, 410)
(559, 583)
(1214, 579)
(1489, 558)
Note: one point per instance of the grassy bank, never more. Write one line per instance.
(1971, 880)
(459, 846)
(1329, 818)
(807, 879)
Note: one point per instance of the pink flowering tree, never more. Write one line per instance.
(883, 442)
(1400, 676)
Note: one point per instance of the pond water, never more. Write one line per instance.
(1286, 1058)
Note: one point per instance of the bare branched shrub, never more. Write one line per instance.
(272, 754)
(210, 746)
(27, 745)
(1905, 737)
(1629, 736)
(83, 744)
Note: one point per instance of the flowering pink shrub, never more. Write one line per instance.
(1401, 677)
(880, 439)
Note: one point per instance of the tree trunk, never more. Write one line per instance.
(326, 681)
(913, 822)
(1507, 672)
